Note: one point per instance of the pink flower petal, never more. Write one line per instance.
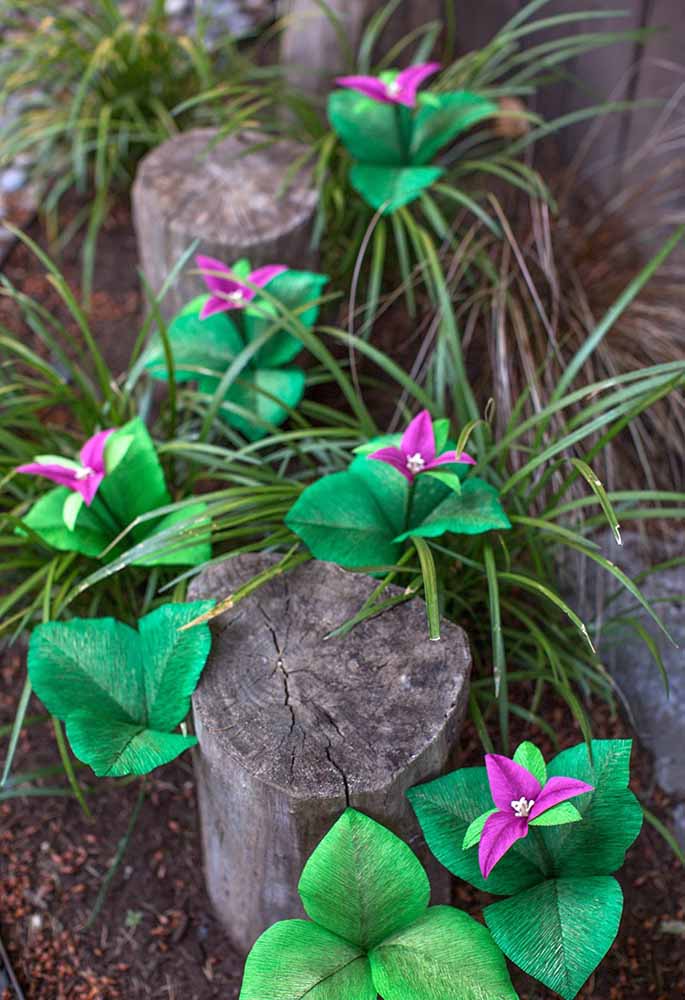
(509, 782)
(88, 487)
(394, 457)
(558, 790)
(409, 81)
(215, 305)
(93, 452)
(59, 474)
(215, 282)
(367, 85)
(451, 457)
(499, 833)
(263, 275)
(419, 437)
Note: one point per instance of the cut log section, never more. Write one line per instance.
(192, 188)
(292, 728)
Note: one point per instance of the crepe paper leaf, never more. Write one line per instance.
(268, 393)
(559, 931)
(116, 450)
(528, 756)
(362, 882)
(196, 344)
(388, 187)
(473, 834)
(445, 809)
(565, 812)
(198, 549)
(446, 953)
(89, 535)
(121, 692)
(295, 959)
(369, 130)
(450, 479)
(293, 290)
(136, 485)
(442, 117)
(475, 510)
(441, 432)
(71, 508)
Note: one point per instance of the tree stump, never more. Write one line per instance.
(229, 200)
(292, 729)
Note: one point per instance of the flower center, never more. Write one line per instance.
(85, 472)
(522, 807)
(236, 296)
(415, 463)
(393, 89)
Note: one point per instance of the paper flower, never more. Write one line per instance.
(209, 334)
(228, 292)
(558, 883)
(520, 798)
(82, 477)
(400, 89)
(371, 931)
(416, 452)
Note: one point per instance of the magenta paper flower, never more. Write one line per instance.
(400, 90)
(416, 452)
(227, 292)
(519, 798)
(82, 477)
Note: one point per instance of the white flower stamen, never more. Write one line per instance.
(415, 463)
(236, 296)
(393, 88)
(522, 807)
(85, 472)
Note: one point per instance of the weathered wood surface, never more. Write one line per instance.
(293, 728)
(187, 189)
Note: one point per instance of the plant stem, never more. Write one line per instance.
(410, 504)
(403, 133)
(547, 859)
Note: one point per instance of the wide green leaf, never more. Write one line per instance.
(118, 685)
(446, 807)
(295, 959)
(267, 393)
(198, 549)
(560, 930)
(389, 188)
(445, 953)
(369, 130)
(89, 536)
(136, 486)
(475, 510)
(293, 289)
(442, 117)
(362, 882)
(195, 343)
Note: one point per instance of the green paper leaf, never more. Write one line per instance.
(195, 343)
(559, 815)
(368, 129)
(442, 117)
(441, 432)
(389, 188)
(89, 535)
(116, 448)
(68, 463)
(528, 756)
(449, 479)
(475, 830)
(197, 552)
(612, 816)
(241, 268)
(475, 510)
(114, 686)
(293, 289)
(71, 508)
(253, 392)
(295, 959)
(559, 931)
(446, 808)
(362, 882)
(136, 486)
(445, 953)
(375, 444)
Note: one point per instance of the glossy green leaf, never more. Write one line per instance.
(389, 188)
(362, 882)
(559, 931)
(121, 691)
(295, 959)
(475, 510)
(442, 117)
(446, 807)
(293, 289)
(89, 536)
(565, 812)
(528, 756)
(445, 953)
(195, 343)
(475, 830)
(368, 129)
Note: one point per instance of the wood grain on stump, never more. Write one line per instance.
(231, 201)
(293, 728)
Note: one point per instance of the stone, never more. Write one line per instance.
(293, 727)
